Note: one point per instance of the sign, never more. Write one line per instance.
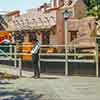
(67, 14)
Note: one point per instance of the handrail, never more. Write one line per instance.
(68, 45)
(51, 54)
(27, 53)
(17, 55)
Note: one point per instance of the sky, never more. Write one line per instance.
(23, 5)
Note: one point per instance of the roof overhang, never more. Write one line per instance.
(34, 21)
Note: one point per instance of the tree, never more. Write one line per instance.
(3, 22)
(93, 8)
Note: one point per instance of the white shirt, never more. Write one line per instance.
(36, 48)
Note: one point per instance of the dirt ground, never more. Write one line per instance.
(48, 87)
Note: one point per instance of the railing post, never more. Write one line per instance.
(97, 61)
(10, 50)
(20, 67)
(66, 60)
(39, 62)
(66, 48)
(15, 57)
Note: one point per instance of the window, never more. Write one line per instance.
(73, 35)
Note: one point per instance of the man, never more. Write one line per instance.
(35, 57)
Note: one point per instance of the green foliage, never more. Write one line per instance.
(93, 7)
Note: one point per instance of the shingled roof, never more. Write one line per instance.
(35, 20)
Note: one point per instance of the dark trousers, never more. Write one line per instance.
(35, 59)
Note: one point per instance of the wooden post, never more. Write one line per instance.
(97, 61)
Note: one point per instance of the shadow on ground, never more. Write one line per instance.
(20, 94)
(49, 78)
(4, 82)
(7, 76)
